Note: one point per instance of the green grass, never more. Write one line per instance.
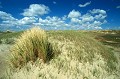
(111, 38)
(8, 37)
(5, 35)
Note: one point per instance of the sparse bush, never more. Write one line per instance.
(32, 44)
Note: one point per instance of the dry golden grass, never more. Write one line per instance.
(66, 66)
(32, 44)
(81, 57)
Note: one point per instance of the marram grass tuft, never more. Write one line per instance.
(31, 45)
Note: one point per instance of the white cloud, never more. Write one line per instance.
(27, 20)
(118, 7)
(54, 2)
(97, 23)
(74, 14)
(87, 18)
(7, 20)
(94, 11)
(84, 5)
(6, 16)
(52, 21)
(64, 17)
(36, 10)
(93, 19)
(100, 16)
(75, 20)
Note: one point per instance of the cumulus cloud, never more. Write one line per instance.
(118, 7)
(75, 20)
(84, 5)
(54, 2)
(64, 17)
(93, 19)
(36, 10)
(94, 11)
(7, 20)
(74, 14)
(98, 14)
(52, 21)
(87, 18)
(6, 16)
(27, 20)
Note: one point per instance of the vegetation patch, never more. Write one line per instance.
(8, 37)
(32, 44)
(81, 56)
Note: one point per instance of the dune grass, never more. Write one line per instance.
(85, 43)
(32, 44)
(81, 57)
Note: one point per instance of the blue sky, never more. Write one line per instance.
(59, 14)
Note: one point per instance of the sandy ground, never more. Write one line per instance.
(4, 50)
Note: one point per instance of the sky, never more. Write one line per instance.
(60, 14)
